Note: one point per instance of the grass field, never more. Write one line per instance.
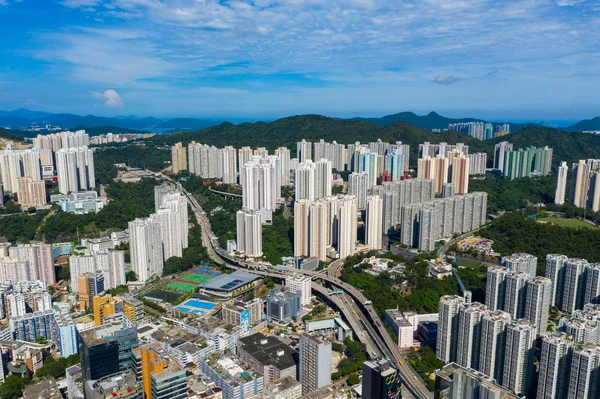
(468, 263)
(181, 286)
(196, 278)
(166, 296)
(572, 223)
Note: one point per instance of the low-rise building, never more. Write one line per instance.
(268, 356)
(45, 389)
(243, 314)
(284, 388)
(235, 380)
(120, 386)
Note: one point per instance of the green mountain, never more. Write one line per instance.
(288, 131)
(586, 125)
(433, 120)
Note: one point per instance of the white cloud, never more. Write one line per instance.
(568, 3)
(80, 3)
(3, 3)
(446, 79)
(110, 97)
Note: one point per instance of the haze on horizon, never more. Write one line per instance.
(519, 60)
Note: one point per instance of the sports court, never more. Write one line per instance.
(196, 278)
(196, 306)
(182, 286)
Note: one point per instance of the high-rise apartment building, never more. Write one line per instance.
(448, 327)
(88, 286)
(315, 363)
(345, 226)
(477, 163)
(527, 162)
(515, 294)
(110, 263)
(493, 344)
(146, 248)
(555, 271)
(583, 379)
(368, 162)
(394, 163)
(555, 361)
(18, 163)
(258, 180)
(161, 375)
(580, 181)
(436, 168)
(323, 178)
(178, 158)
(75, 169)
(538, 302)
(40, 259)
(457, 382)
(358, 186)
(304, 151)
(459, 173)
(373, 222)
(561, 183)
(284, 155)
(574, 288)
(282, 305)
(519, 356)
(500, 151)
(31, 193)
(65, 333)
(304, 181)
(230, 167)
(469, 334)
(177, 203)
(249, 233)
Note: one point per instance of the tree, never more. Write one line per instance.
(13, 386)
(353, 379)
(269, 282)
(130, 276)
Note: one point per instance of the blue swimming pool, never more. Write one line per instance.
(196, 306)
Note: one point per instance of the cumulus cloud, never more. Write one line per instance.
(110, 97)
(446, 79)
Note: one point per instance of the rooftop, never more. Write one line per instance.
(268, 350)
(230, 282)
(45, 389)
(122, 385)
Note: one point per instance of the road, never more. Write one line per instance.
(354, 306)
(441, 252)
(335, 268)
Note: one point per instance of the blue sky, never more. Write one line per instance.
(496, 59)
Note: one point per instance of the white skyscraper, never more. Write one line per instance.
(346, 225)
(301, 227)
(15, 304)
(78, 266)
(300, 283)
(40, 258)
(592, 285)
(448, 327)
(555, 271)
(469, 335)
(75, 169)
(18, 163)
(358, 186)
(276, 162)
(304, 151)
(284, 155)
(583, 380)
(146, 248)
(555, 360)
(229, 165)
(519, 356)
(373, 222)
(14, 270)
(561, 183)
(319, 229)
(574, 291)
(538, 302)
(323, 177)
(259, 190)
(244, 155)
(496, 287)
(500, 151)
(169, 222)
(249, 233)
(493, 343)
(314, 363)
(178, 203)
(304, 180)
(515, 294)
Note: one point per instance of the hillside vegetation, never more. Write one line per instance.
(288, 131)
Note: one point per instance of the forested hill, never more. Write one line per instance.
(288, 131)
(586, 125)
(567, 146)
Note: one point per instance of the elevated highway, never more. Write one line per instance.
(353, 303)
